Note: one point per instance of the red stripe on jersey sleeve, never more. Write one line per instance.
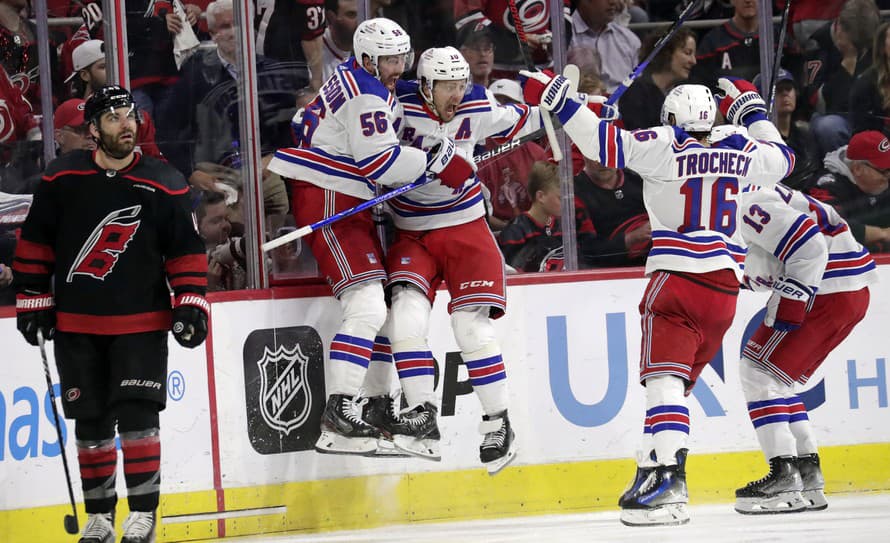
(30, 250)
(195, 263)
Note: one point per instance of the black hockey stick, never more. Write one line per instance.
(530, 65)
(659, 45)
(777, 61)
(71, 525)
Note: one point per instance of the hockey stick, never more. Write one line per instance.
(71, 525)
(530, 65)
(659, 45)
(777, 61)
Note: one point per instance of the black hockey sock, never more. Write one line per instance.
(141, 443)
(97, 456)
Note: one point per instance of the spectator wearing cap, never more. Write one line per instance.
(88, 60)
(796, 134)
(870, 95)
(855, 181)
(640, 106)
(71, 132)
(594, 27)
(507, 91)
(477, 47)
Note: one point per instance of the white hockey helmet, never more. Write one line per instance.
(440, 64)
(381, 37)
(692, 106)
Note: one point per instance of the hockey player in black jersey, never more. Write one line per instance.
(108, 231)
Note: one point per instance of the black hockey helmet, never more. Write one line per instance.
(108, 98)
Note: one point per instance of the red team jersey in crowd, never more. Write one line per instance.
(282, 24)
(780, 226)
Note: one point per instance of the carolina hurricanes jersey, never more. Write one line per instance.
(347, 138)
(691, 192)
(478, 116)
(534, 14)
(108, 243)
(793, 235)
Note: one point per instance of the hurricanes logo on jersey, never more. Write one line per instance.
(108, 241)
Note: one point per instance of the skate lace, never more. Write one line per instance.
(352, 411)
(762, 480)
(138, 524)
(496, 438)
(418, 420)
(97, 526)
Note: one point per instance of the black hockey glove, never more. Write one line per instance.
(35, 311)
(190, 320)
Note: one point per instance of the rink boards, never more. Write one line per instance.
(242, 417)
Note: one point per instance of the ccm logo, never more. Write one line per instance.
(141, 383)
(476, 284)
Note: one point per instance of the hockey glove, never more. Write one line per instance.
(190, 319)
(35, 311)
(787, 307)
(741, 103)
(450, 164)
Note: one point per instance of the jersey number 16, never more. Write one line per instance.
(715, 211)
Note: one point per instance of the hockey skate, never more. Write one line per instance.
(778, 492)
(380, 412)
(499, 445)
(421, 436)
(813, 482)
(140, 527)
(99, 528)
(641, 475)
(343, 431)
(660, 498)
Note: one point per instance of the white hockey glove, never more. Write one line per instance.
(551, 93)
(450, 164)
(787, 306)
(741, 103)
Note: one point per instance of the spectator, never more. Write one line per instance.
(18, 44)
(586, 59)
(201, 112)
(506, 91)
(71, 131)
(89, 73)
(796, 134)
(870, 95)
(731, 49)
(20, 145)
(291, 32)
(477, 47)
(855, 181)
(341, 17)
(836, 62)
(613, 199)
(593, 26)
(640, 106)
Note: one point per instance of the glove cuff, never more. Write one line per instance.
(787, 287)
(567, 111)
(192, 299)
(33, 302)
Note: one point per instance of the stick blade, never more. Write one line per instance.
(71, 524)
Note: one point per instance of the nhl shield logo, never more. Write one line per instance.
(284, 388)
(285, 397)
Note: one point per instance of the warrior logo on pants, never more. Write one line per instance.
(109, 239)
(283, 388)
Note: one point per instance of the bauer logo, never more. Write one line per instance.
(284, 387)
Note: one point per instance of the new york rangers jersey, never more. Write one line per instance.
(793, 235)
(691, 191)
(347, 138)
(478, 116)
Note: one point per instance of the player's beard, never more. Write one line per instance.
(114, 147)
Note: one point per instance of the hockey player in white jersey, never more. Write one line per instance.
(442, 235)
(691, 193)
(804, 253)
(348, 145)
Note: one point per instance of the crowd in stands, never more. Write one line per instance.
(832, 104)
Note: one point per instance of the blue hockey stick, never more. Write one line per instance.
(659, 45)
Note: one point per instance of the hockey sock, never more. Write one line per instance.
(488, 377)
(138, 426)
(414, 364)
(768, 409)
(667, 417)
(379, 374)
(801, 428)
(97, 457)
(364, 313)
